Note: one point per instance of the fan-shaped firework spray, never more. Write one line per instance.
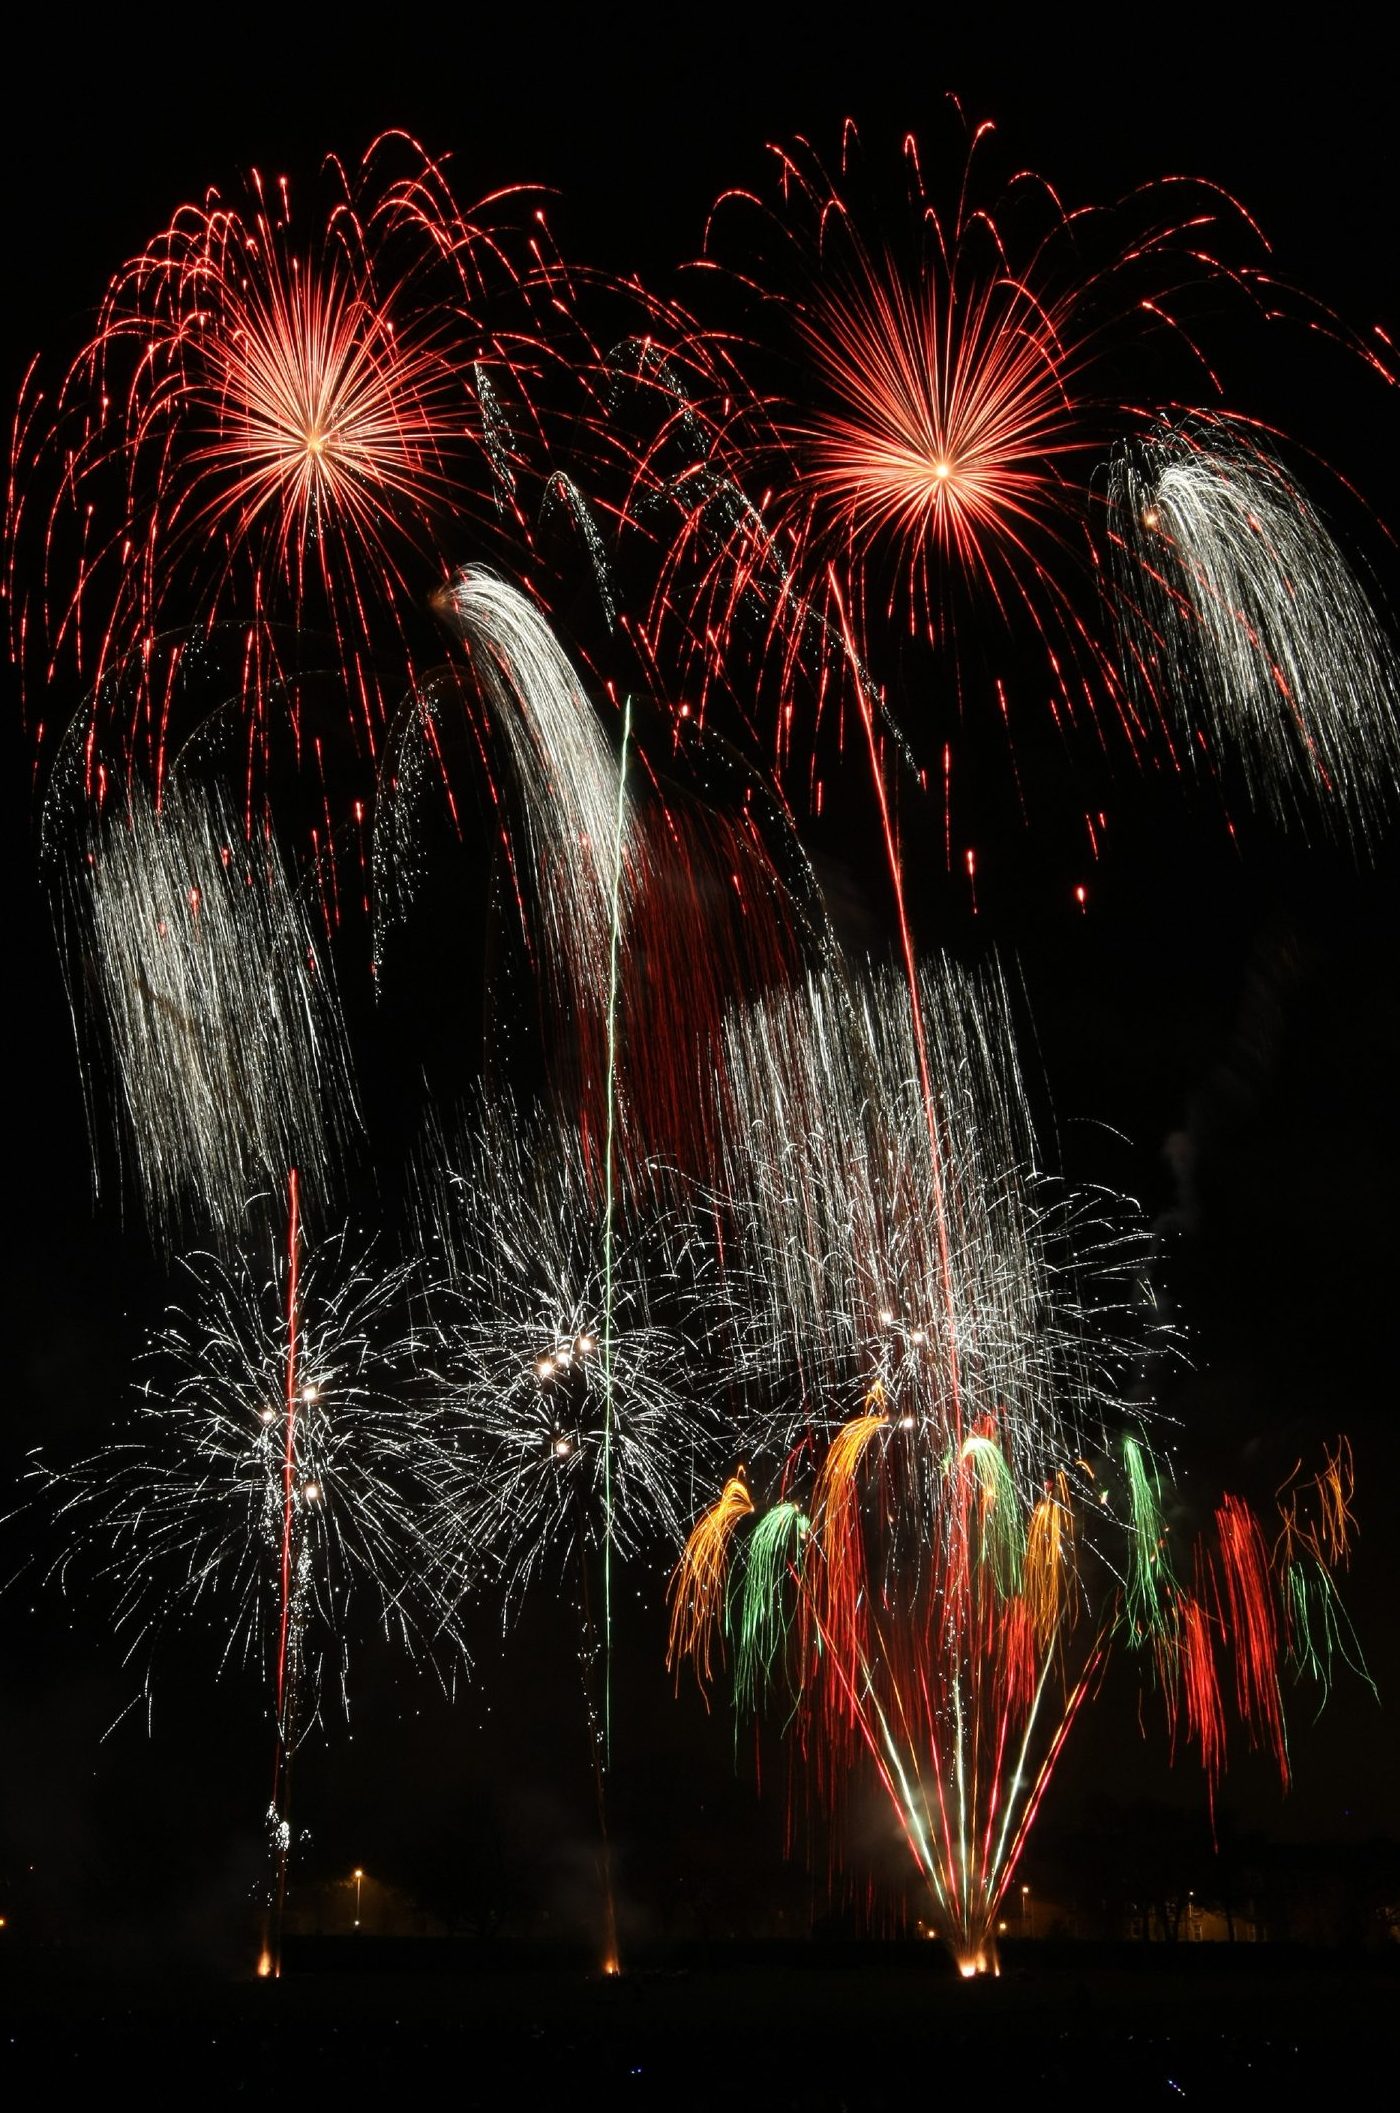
(946, 1343)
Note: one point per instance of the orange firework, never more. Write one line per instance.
(1317, 1517)
(1049, 1568)
(696, 1590)
(940, 415)
(839, 1534)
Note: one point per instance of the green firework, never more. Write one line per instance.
(774, 1548)
(1151, 1587)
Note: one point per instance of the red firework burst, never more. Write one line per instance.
(274, 425)
(939, 420)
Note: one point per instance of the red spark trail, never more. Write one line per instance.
(289, 1451)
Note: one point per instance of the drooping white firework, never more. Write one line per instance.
(581, 1425)
(191, 955)
(553, 782)
(1242, 618)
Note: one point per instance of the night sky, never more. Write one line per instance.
(1218, 1028)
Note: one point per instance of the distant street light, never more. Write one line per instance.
(1027, 1913)
(359, 1880)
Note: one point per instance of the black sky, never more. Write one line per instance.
(1232, 1012)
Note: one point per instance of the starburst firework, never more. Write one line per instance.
(185, 1515)
(535, 1350)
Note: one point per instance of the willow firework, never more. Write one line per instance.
(553, 777)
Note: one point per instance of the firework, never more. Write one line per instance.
(1240, 610)
(281, 1485)
(272, 419)
(522, 1233)
(580, 1432)
(860, 1259)
(697, 1583)
(569, 839)
(191, 963)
